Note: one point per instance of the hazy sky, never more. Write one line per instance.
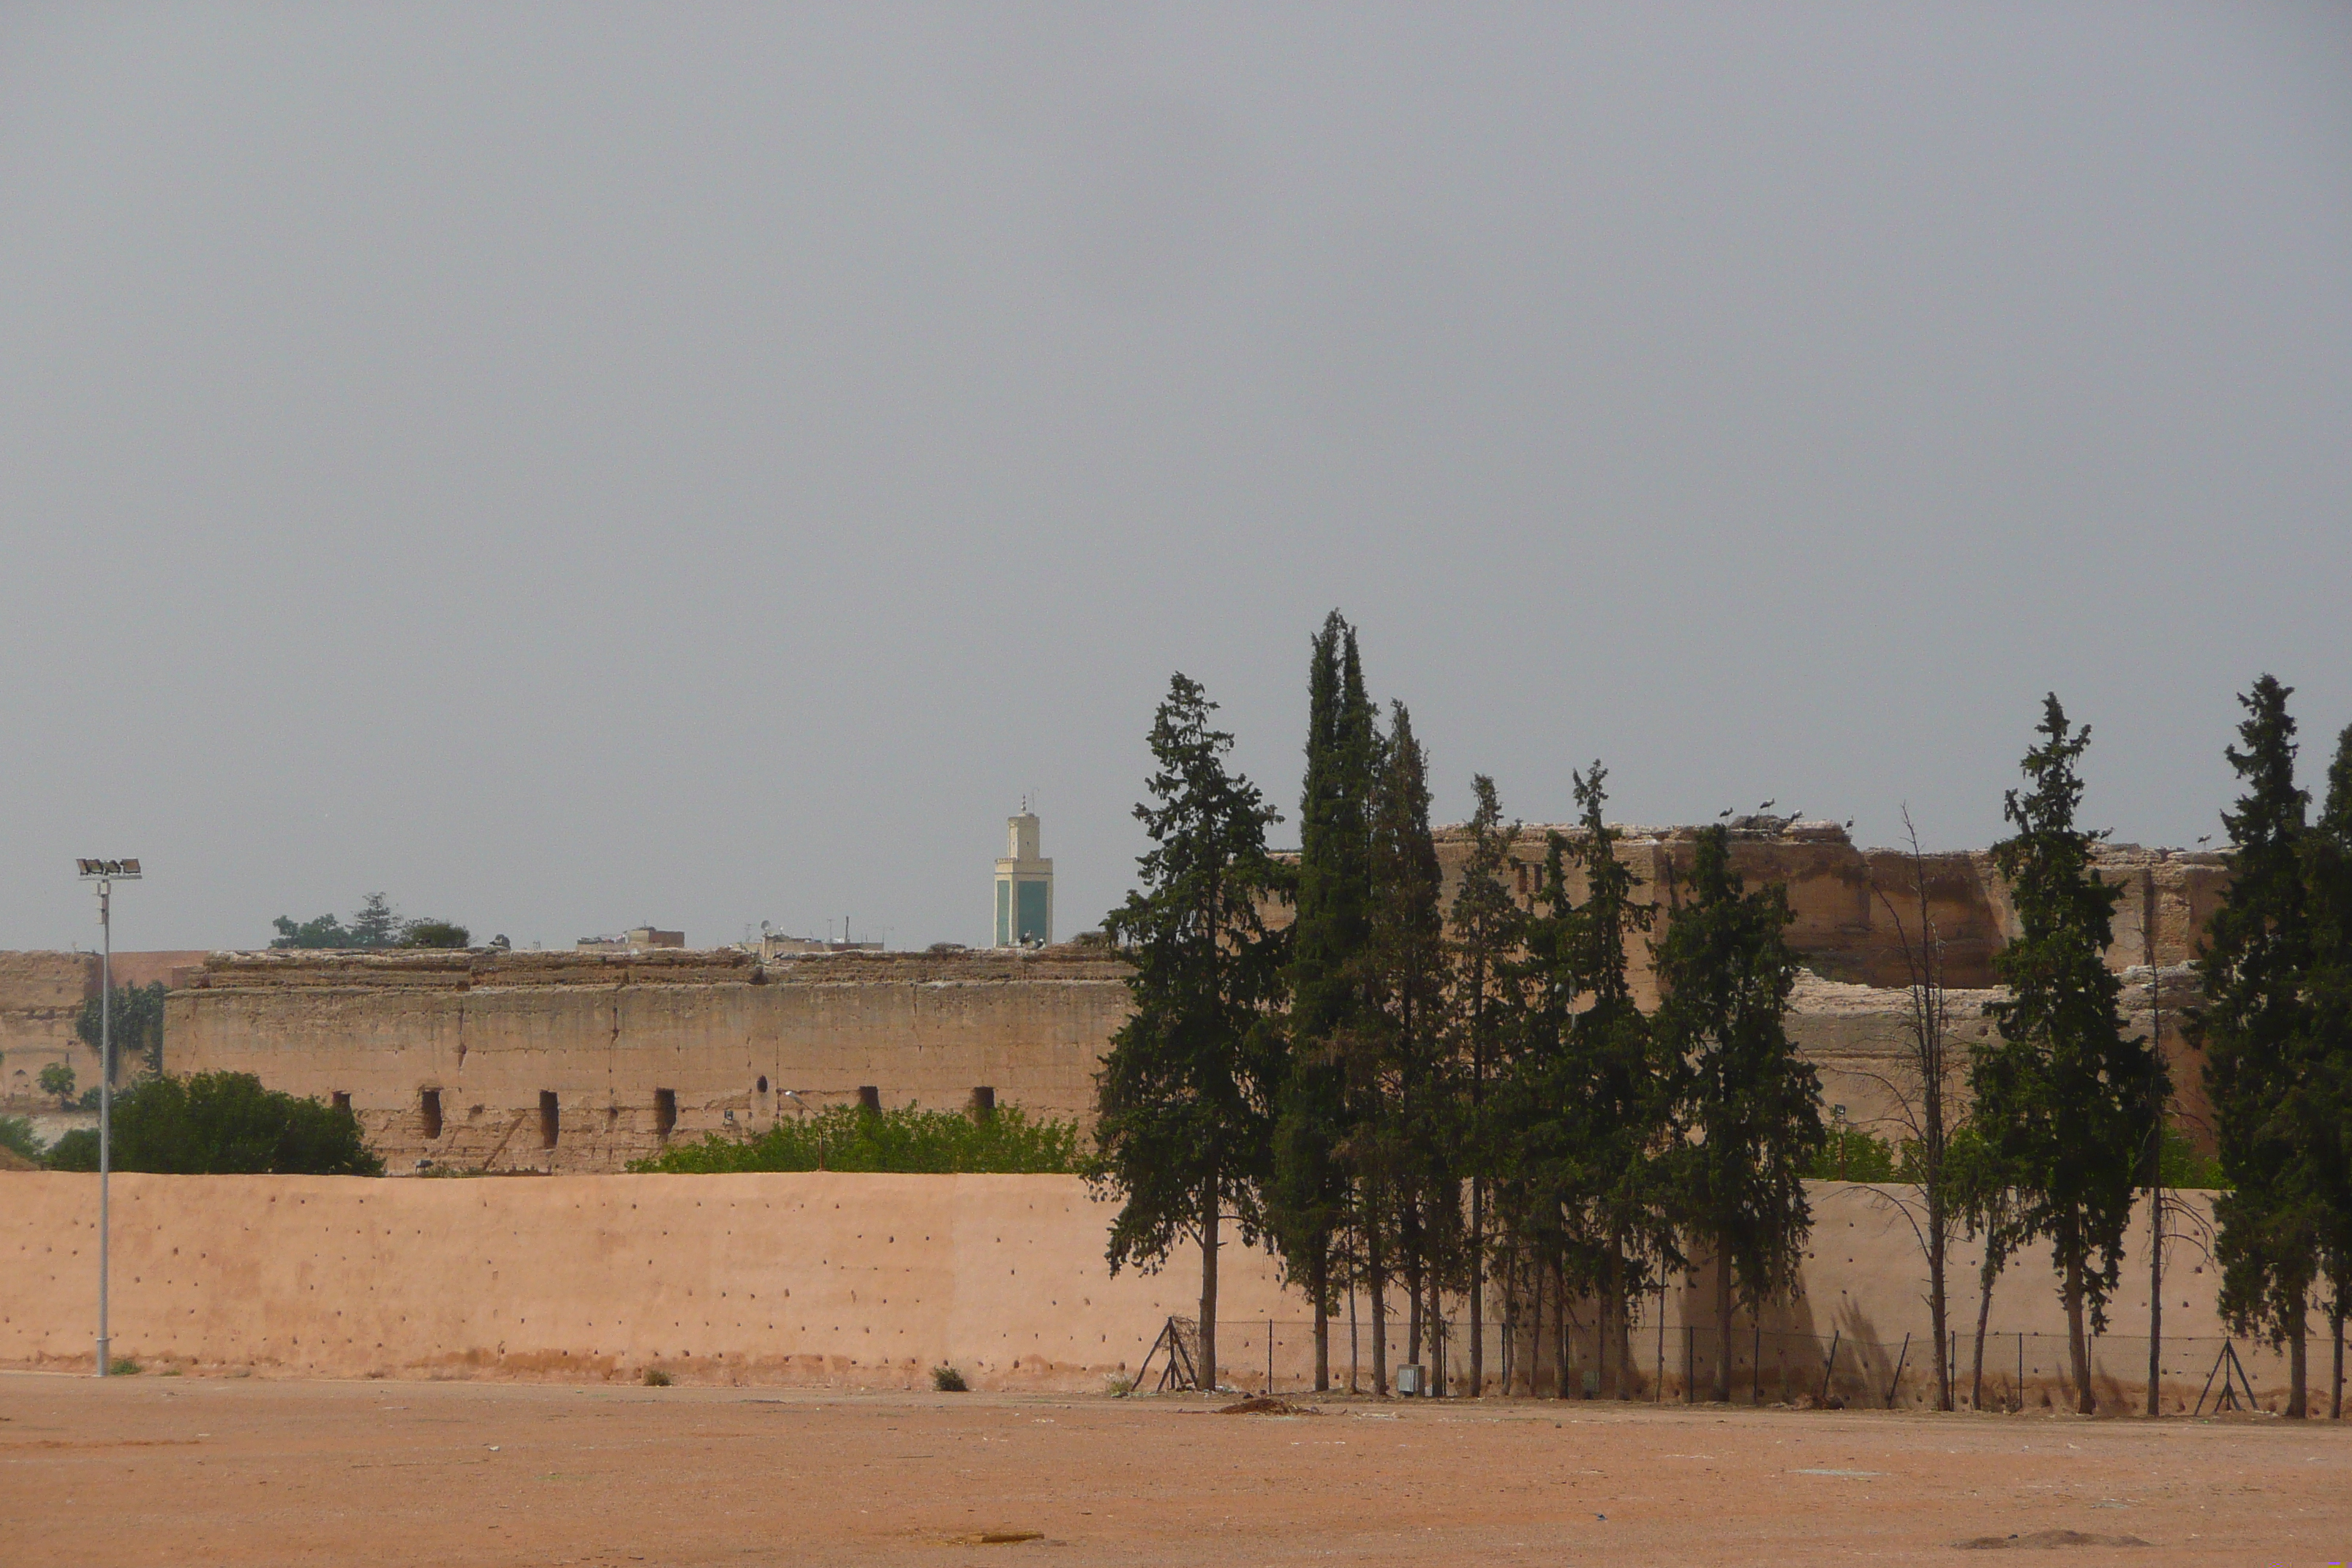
(569, 466)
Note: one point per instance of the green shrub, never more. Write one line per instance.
(2184, 1166)
(846, 1138)
(123, 1367)
(948, 1380)
(222, 1123)
(57, 1078)
(17, 1135)
(657, 1378)
(1852, 1154)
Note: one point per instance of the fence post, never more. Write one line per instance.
(1690, 1364)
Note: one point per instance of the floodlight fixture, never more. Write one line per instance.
(105, 873)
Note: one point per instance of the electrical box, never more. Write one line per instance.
(1411, 1382)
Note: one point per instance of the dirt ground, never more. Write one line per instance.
(251, 1473)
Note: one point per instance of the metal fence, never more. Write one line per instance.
(1687, 1363)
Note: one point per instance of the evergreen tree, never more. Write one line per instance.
(1725, 973)
(1635, 1082)
(2324, 1113)
(1485, 925)
(2064, 1095)
(1537, 1123)
(1183, 1111)
(375, 924)
(2260, 1050)
(1412, 1108)
(1309, 1193)
(1587, 1110)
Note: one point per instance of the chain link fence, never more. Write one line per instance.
(1687, 1363)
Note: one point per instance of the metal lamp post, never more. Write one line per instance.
(105, 873)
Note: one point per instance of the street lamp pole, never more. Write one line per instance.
(105, 873)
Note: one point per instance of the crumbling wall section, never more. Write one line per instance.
(40, 995)
(445, 1059)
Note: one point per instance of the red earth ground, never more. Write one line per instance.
(253, 1472)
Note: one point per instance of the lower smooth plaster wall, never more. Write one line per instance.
(871, 1280)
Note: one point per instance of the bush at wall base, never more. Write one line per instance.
(220, 1124)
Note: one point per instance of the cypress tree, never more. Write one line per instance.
(2260, 1049)
(1633, 1080)
(2064, 1094)
(1538, 1122)
(1485, 925)
(1586, 1112)
(2261, 1052)
(1727, 972)
(1309, 1193)
(1183, 1108)
(2323, 1118)
(1413, 1102)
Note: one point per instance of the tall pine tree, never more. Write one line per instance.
(1486, 926)
(1753, 1105)
(2259, 1049)
(1183, 1097)
(1309, 1192)
(2064, 1093)
(1586, 1112)
(1413, 1109)
(2324, 1111)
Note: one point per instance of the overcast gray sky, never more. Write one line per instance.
(573, 466)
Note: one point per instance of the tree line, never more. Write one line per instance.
(374, 924)
(1445, 1099)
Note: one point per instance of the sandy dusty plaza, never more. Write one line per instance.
(254, 1473)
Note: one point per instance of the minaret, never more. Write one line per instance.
(1024, 886)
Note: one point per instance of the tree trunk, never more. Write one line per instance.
(1414, 1269)
(1612, 1287)
(1535, 1324)
(1210, 1206)
(2336, 1364)
(1603, 1333)
(1436, 1319)
(1318, 1280)
(2078, 1349)
(1622, 1294)
(1376, 1280)
(1353, 1291)
(2155, 1289)
(1560, 1288)
(1938, 1237)
(1985, 1278)
(2299, 1338)
(1722, 1319)
(1477, 1288)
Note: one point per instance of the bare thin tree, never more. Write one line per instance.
(1925, 1090)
